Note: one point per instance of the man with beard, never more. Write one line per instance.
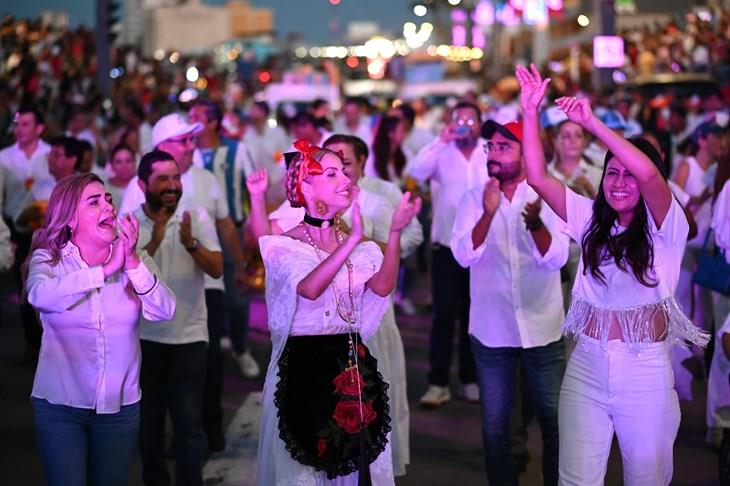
(514, 248)
(453, 165)
(182, 240)
(172, 134)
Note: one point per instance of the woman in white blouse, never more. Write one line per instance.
(623, 314)
(89, 287)
(325, 410)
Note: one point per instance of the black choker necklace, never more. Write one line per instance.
(319, 223)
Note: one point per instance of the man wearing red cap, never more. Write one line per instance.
(514, 249)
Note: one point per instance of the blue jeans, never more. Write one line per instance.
(542, 368)
(79, 446)
(172, 379)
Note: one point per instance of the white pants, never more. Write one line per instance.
(634, 397)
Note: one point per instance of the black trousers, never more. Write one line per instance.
(212, 418)
(450, 287)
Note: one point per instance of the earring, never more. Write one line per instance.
(321, 207)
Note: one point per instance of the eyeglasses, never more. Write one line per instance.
(497, 147)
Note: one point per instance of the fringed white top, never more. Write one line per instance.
(643, 314)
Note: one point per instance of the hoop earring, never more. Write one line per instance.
(321, 207)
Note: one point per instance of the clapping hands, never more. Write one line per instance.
(405, 212)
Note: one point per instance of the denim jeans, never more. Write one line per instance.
(450, 286)
(542, 370)
(237, 305)
(172, 378)
(78, 446)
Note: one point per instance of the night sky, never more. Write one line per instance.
(310, 17)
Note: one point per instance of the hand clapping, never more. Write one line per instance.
(405, 212)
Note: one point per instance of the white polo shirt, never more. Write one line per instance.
(181, 274)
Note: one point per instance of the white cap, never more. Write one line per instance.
(171, 126)
(552, 116)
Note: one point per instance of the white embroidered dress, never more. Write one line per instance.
(287, 262)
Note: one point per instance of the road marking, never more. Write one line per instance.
(236, 465)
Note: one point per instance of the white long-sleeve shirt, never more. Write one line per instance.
(22, 175)
(451, 175)
(90, 354)
(516, 298)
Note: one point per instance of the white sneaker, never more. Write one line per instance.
(249, 366)
(226, 343)
(435, 396)
(470, 392)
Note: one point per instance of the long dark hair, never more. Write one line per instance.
(632, 248)
(381, 148)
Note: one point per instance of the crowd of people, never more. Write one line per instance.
(132, 239)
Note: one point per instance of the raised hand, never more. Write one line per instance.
(128, 234)
(405, 212)
(532, 87)
(578, 110)
(258, 182)
(491, 196)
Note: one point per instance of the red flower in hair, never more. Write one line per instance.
(309, 166)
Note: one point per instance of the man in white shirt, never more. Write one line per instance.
(267, 145)
(515, 248)
(25, 171)
(304, 125)
(172, 134)
(453, 164)
(182, 240)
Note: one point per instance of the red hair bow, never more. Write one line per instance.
(309, 165)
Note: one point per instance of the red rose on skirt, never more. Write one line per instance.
(347, 415)
(346, 384)
(321, 448)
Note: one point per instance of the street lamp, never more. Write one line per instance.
(420, 10)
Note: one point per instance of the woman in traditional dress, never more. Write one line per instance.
(325, 407)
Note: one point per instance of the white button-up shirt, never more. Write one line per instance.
(200, 189)
(451, 175)
(516, 298)
(90, 354)
(182, 274)
(22, 174)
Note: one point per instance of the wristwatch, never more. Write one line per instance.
(194, 247)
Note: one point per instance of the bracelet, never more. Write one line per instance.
(154, 284)
(534, 225)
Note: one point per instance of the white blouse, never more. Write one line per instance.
(622, 298)
(90, 354)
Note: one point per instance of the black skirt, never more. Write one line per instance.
(322, 419)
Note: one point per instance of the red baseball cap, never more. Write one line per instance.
(511, 130)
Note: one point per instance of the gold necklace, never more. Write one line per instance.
(347, 315)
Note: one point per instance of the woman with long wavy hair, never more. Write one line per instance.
(623, 314)
(89, 286)
(388, 155)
